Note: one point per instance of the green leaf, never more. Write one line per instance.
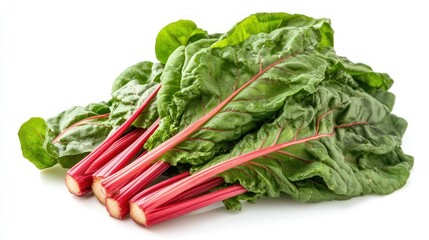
(32, 137)
(68, 161)
(268, 22)
(142, 72)
(72, 134)
(171, 79)
(197, 84)
(361, 74)
(174, 35)
(75, 132)
(127, 99)
(362, 157)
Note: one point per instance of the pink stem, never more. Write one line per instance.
(81, 167)
(166, 194)
(121, 206)
(124, 157)
(113, 151)
(145, 194)
(138, 166)
(84, 180)
(181, 208)
(198, 190)
(81, 122)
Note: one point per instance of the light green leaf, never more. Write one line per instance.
(174, 35)
(142, 72)
(268, 22)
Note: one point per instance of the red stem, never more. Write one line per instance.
(150, 193)
(198, 190)
(143, 195)
(167, 202)
(166, 194)
(81, 122)
(113, 183)
(116, 149)
(118, 205)
(171, 191)
(113, 167)
(120, 161)
(124, 157)
(116, 163)
(73, 181)
(180, 208)
(85, 180)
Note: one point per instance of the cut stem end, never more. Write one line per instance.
(137, 214)
(114, 208)
(76, 186)
(96, 188)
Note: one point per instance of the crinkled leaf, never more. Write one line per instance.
(358, 74)
(72, 115)
(77, 141)
(32, 137)
(174, 35)
(171, 79)
(128, 98)
(72, 134)
(212, 74)
(268, 22)
(361, 77)
(362, 158)
(142, 72)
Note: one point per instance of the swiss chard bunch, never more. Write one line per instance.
(72, 134)
(265, 109)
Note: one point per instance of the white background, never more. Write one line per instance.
(57, 54)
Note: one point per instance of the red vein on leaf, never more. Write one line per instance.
(260, 61)
(239, 168)
(111, 183)
(299, 130)
(274, 158)
(249, 99)
(283, 70)
(198, 139)
(262, 166)
(278, 136)
(203, 106)
(293, 155)
(233, 111)
(179, 150)
(320, 118)
(217, 130)
(171, 191)
(79, 123)
(262, 143)
(237, 77)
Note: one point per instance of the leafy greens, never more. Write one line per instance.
(72, 134)
(265, 109)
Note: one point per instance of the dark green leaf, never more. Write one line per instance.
(81, 129)
(359, 73)
(197, 83)
(362, 158)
